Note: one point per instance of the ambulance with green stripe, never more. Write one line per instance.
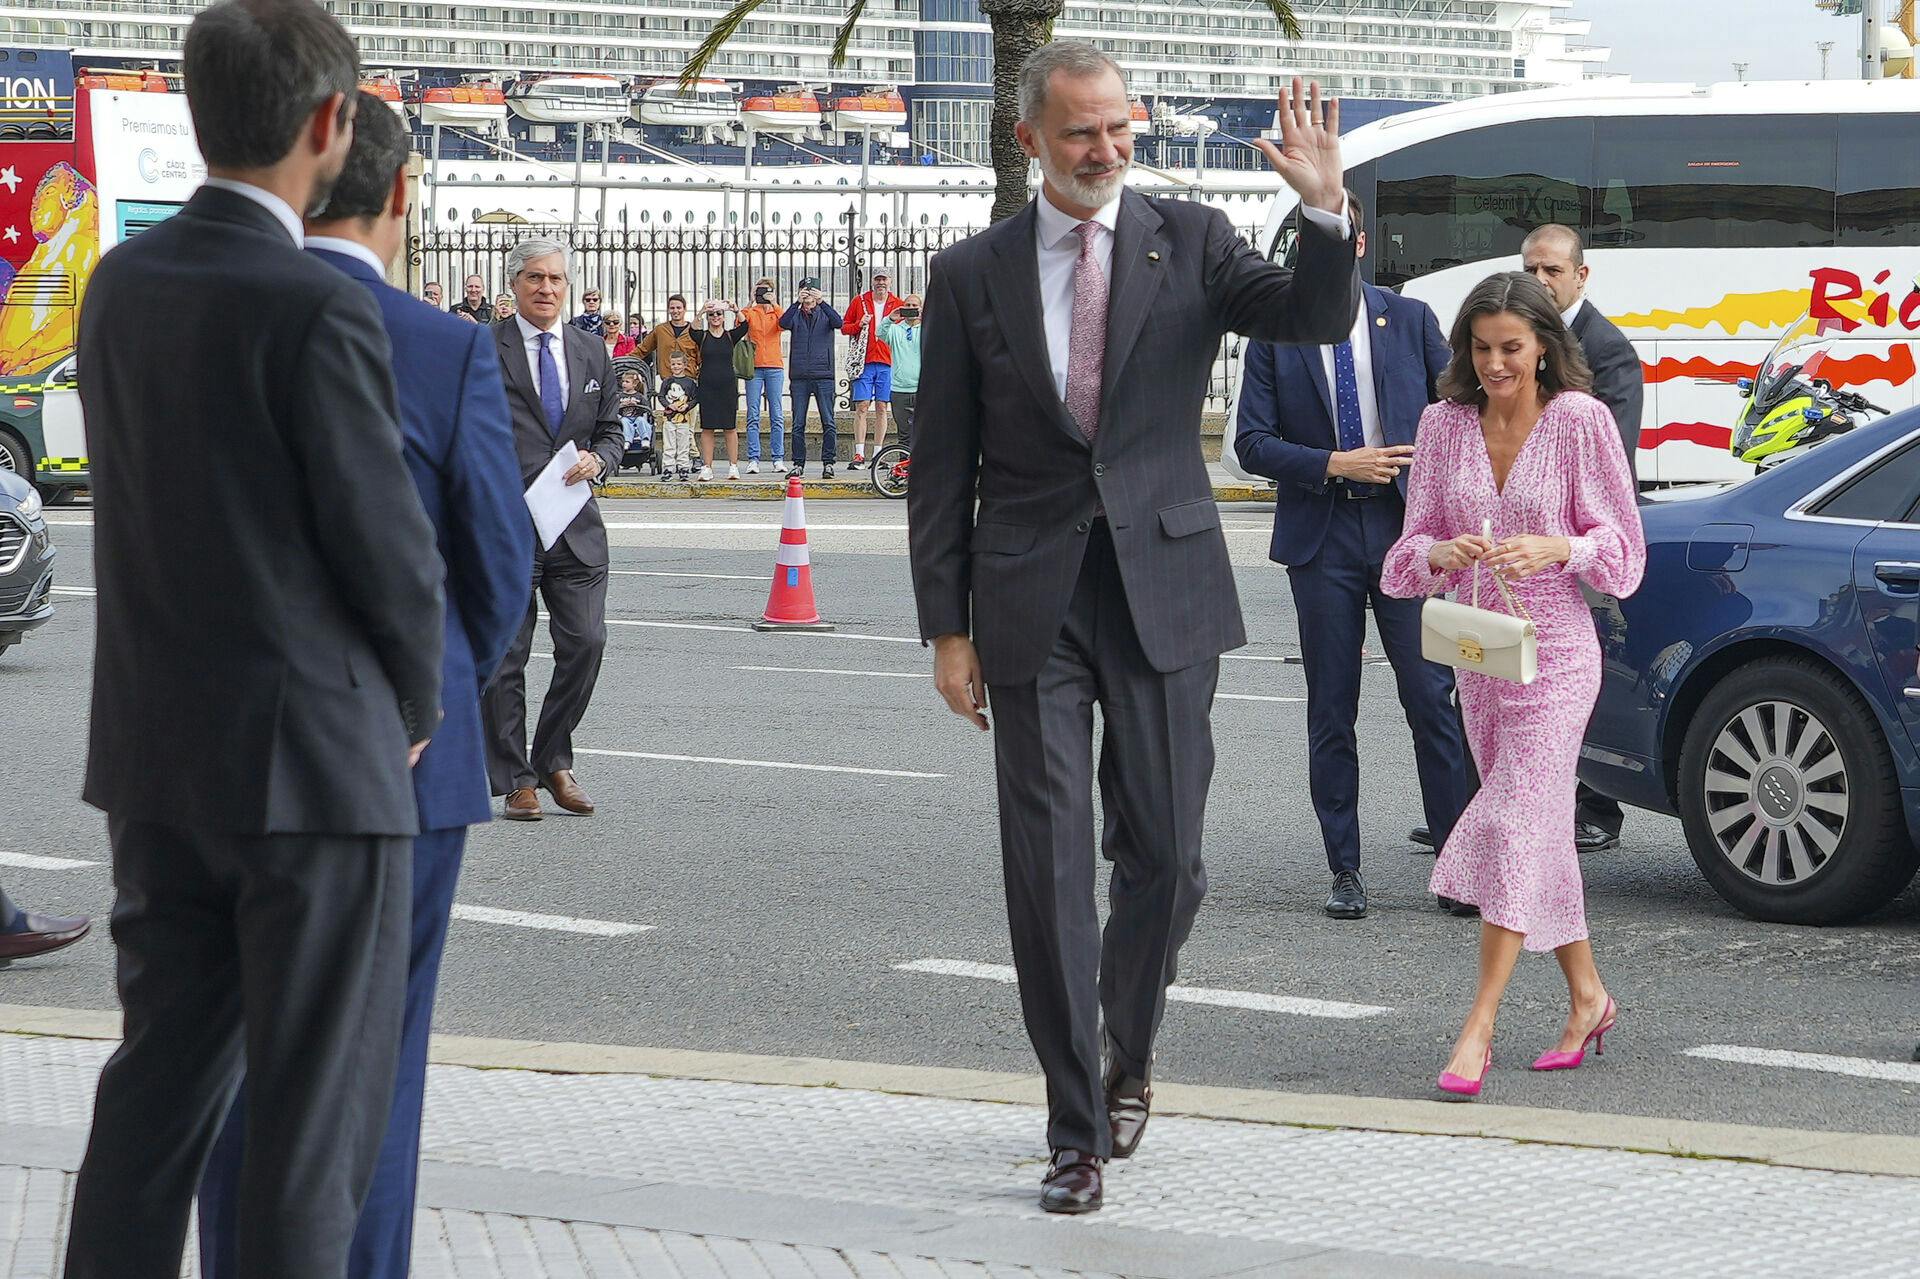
(88, 157)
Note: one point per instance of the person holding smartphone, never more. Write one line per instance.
(901, 332)
(769, 378)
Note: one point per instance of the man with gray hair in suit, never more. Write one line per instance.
(560, 389)
(1094, 569)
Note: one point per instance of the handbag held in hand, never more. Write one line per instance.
(1470, 638)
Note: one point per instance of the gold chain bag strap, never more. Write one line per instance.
(1470, 638)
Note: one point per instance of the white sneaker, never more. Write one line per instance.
(733, 470)
(753, 468)
(706, 474)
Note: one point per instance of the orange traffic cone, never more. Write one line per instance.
(790, 605)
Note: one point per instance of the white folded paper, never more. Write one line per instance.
(553, 501)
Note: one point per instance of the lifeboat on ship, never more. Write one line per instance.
(704, 104)
(1139, 119)
(878, 110)
(569, 99)
(387, 89)
(140, 81)
(793, 110)
(475, 104)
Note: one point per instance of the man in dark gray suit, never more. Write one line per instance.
(1552, 255)
(1095, 569)
(561, 388)
(267, 662)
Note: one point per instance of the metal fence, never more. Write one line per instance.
(636, 270)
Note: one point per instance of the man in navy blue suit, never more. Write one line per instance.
(459, 450)
(1334, 426)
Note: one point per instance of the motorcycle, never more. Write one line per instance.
(1790, 407)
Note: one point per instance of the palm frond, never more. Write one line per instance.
(1284, 15)
(844, 37)
(723, 31)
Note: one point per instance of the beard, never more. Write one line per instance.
(1090, 190)
(323, 184)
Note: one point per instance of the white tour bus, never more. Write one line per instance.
(1713, 220)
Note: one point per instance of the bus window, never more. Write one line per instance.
(1665, 182)
(1285, 248)
(1475, 196)
(1879, 200)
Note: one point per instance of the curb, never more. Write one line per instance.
(827, 490)
(1869, 1153)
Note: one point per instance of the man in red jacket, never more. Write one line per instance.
(873, 387)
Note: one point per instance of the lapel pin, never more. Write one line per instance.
(1381, 321)
(1153, 255)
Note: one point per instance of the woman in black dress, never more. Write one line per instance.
(719, 388)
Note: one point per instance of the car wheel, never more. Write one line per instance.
(13, 455)
(1788, 795)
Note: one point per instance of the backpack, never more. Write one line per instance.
(745, 356)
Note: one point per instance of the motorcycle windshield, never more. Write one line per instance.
(1800, 353)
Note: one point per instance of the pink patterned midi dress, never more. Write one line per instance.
(1511, 853)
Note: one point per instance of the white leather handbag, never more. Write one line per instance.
(1470, 638)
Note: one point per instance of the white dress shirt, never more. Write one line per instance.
(1059, 253)
(348, 248)
(1363, 383)
(281, 210)
(1572, 313)
(530, 338)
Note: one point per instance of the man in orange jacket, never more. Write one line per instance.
(769, 378)
(873, 388)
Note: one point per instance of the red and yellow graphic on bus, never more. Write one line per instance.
(50, 244)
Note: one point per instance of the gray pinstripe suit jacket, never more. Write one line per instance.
(988, 423)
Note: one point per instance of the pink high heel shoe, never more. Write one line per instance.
(1460, 1087)
(1597, 1037)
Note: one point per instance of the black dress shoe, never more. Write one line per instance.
(1423, 837)
(1129, 1101)
(39, 935)
(1072, 1183)
(1588, 838)
(1465, 910)
(1349, 897)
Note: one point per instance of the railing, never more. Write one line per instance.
(635, 271)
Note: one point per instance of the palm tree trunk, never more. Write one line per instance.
(1019, 27)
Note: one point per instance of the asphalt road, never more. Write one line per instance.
(782, 901)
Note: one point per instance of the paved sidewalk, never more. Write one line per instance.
(529, 1174)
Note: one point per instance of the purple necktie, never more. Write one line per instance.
(1087, 340)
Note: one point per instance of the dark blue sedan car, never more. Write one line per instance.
(1762, 684)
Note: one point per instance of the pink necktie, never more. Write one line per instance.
(1087, 339)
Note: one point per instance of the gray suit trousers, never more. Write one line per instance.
(576, 598)
(285, 954)
(1156, 762)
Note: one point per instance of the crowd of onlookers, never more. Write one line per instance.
(681, 379)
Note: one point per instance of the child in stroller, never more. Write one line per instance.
(635, 421)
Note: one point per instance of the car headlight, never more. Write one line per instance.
(30, 508)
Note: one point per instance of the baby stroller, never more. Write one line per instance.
(642, 443)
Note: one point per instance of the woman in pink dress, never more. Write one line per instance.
(1518, 443)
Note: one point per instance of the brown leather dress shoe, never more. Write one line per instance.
(523, 805)
(41, 934)
(1072, 1183)
(1128, 1102)
(567, 793)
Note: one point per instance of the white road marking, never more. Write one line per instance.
(714, 577)
(74, 520)
(835, 670)
(550, 923)
(74, 590)
(1903, 1072)
(34, 862)
(763, 763)
(831, 670)
(1184, 994)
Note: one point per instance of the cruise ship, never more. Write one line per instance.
(512, 90)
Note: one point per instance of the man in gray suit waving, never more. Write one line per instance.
(1095, 569)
